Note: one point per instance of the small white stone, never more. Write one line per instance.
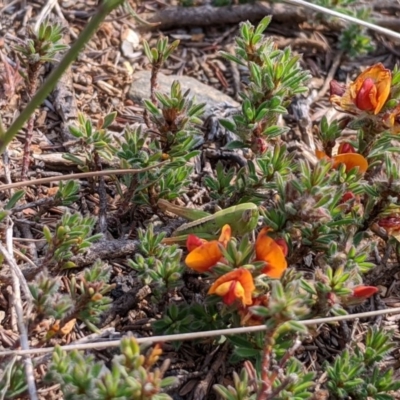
(132, 37)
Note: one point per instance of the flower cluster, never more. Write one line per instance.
(242, 274)
(237, 284)
(373, 102)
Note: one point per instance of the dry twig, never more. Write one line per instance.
(18, 280)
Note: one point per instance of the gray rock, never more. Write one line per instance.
(213, 98)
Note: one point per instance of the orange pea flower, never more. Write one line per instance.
(346, 156)
(272, 252)
(205, 254)
(235, 285)
(351, 160)
(364, 291)
(360, 294)
(369, 92)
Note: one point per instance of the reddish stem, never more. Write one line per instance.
(266, 382)
(27, 147)
(33, 76)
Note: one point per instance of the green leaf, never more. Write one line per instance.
(75, 131)
(235, 144)
(228, 124)
(147, 51)
(47, 234)
(293, 326)
(14, 199)
(109, 119)
(74, 159)
(263, 24)
(246, 352)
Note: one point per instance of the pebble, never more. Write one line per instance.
(213, 98)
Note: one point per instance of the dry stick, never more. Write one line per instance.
(329, 77)
(8, 6)
(44, 12)
(178, 17)
(17, 280)
(27, 146)
(349, 18)
(16, 271)
(79, 175)
(101, 189)
(197, 335)
(389, 5)
(6, 165)
(203, 386)
(44, 202)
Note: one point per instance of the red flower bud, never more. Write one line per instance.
(347, 196)
(193, 241)
(336, 88)
(364, 291)
(389, 222)
(331, 298)
(259, 145)
(346, 148)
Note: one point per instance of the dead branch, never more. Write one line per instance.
(181, 17)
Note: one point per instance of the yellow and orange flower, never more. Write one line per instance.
(235, 285)
(346, 156)
(205, 254)
(272, 252)
(369, 92)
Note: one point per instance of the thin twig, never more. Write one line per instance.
(179, 17)
(328, 11)
(15, 269)
(27, 233)
(102, 219)
(8, 6)
(44, 202)
(6, 165)
(329, 77)
(27, 146)
(46, 9)
(17, 281)
(35, 182)
(198, 335)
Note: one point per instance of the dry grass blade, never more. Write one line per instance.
(81, 175)
(197, 335)
(18, 280)
(349, 18)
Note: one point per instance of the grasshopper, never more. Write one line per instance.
(242, 219)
